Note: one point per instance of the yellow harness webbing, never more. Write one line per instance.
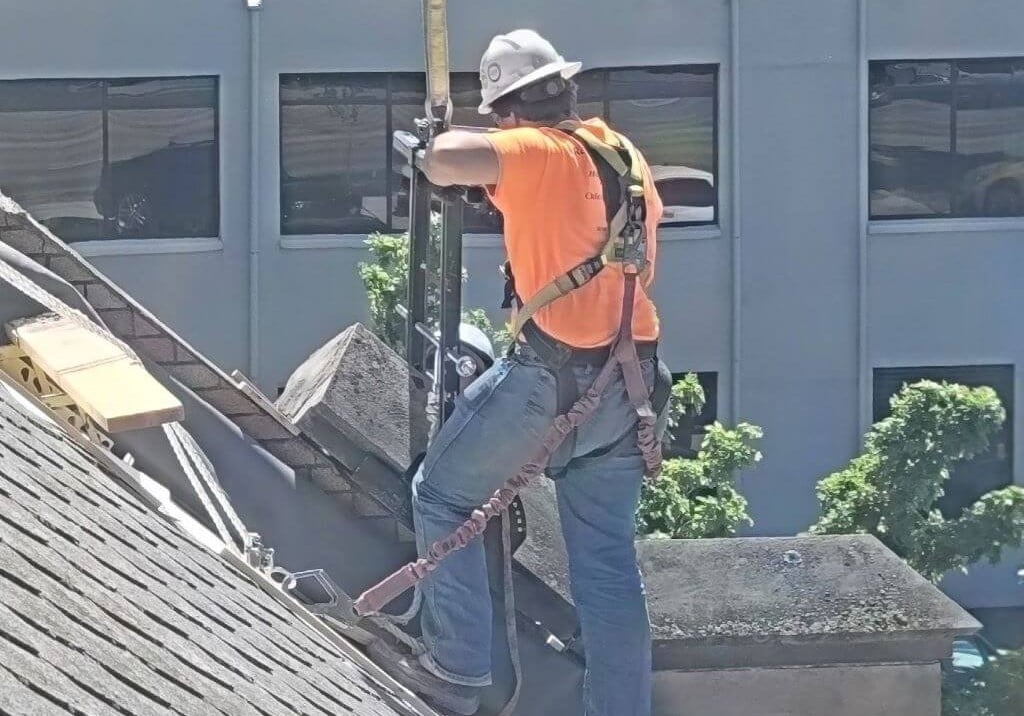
(616, 248)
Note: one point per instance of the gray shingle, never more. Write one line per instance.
(109, 652)
(82, 671)
(133, 621)
(198, 674)
(107, 606)
(16, 698)
(18, 664)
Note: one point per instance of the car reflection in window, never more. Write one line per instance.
(687, 194)
(332, 203)
(167, 192)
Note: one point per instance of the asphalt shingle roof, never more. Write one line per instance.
(107, 607)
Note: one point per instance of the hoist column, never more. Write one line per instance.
(451, 300)
(420, 192)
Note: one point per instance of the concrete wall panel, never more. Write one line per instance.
(910, 690)
(798, 154)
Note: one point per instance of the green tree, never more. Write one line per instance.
(386, 281)
(686, 402)
(997, 689)
(697, 497)
(892, 488)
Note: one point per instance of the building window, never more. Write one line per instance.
(947, 138)
(113, 159)
(338, 173)
(970, 479)
(689, 433)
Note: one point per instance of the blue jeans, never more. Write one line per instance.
(496, 425)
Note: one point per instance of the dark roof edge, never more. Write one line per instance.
(130, 321)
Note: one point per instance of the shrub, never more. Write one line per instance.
(892, 488)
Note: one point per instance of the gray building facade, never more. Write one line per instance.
(849, 173)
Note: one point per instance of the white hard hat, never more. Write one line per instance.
(516, 60)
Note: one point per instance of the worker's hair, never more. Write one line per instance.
(535, 103)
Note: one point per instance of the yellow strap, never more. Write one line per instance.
(551, 292)
(636, 177)
(632, 177)
(607, 151)
(555, 290)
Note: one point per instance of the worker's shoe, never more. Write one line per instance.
(407, 670)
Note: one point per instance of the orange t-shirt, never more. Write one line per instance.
(549, 192)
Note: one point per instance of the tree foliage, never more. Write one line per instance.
(892, 488)
(997, 689)
(697, 497)
(687, 400)
(386, 281)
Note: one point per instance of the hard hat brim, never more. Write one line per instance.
(566, 69)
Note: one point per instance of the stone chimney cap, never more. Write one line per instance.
(791, 590)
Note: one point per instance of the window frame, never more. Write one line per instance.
(304, 239)
(915, 223)
(108, 235)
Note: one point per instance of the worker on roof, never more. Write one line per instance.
(548, 185)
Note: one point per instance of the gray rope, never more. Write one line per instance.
(209, 477)
(197, 486)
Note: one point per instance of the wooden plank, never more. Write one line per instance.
(108, 384)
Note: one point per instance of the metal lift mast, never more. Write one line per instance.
(450, 364)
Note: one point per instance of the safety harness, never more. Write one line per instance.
(618, 168)
(627, 247)
(622, 182)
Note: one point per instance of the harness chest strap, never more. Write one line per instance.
(625, 163)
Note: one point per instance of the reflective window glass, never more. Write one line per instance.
(947, 138)
(108, 159)
(341, 175)
(990, 138)
(161, 179)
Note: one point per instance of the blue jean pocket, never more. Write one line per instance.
(467, 405)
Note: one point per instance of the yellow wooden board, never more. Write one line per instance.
(109, 385)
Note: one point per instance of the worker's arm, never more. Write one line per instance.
(460, 158)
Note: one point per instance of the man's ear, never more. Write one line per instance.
(507, 122)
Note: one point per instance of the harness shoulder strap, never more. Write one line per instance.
(622, 185)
